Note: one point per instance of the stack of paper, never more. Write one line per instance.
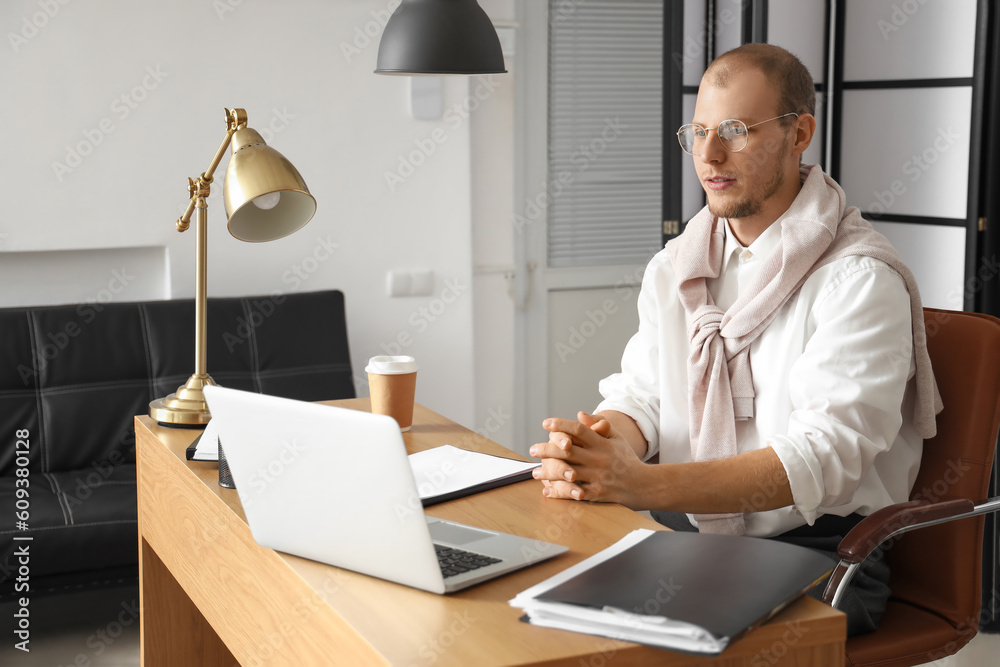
(683, 591)
(206, 446)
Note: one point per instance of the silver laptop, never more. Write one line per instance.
(335, 485)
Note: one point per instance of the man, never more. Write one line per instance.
(780, 366)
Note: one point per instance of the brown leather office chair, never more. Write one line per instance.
(937, 571)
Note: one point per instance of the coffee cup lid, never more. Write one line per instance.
(385, 365)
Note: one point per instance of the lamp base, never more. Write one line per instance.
(186, 406)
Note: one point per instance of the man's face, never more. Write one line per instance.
(743, 184)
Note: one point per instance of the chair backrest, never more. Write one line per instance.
(940, 568)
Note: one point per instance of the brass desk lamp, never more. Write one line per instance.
(266, 199)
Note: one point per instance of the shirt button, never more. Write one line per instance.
(745, 256)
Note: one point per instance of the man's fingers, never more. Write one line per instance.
(560, 449)
(598, 425)
(579, 433)
(554, 470)
(562, 490)
(556, 424)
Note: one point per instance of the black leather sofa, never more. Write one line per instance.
(72, 378)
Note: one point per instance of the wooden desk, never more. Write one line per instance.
(211, 596)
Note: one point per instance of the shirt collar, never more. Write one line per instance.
(761, 247)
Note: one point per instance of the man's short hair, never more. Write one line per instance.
(784, 71)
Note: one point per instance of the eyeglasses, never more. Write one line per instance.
(732, 133)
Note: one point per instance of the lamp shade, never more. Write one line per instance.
(439, 37)
(266, 198)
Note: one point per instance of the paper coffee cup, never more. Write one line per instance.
(392, 382)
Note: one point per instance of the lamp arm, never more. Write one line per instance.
(200, 189)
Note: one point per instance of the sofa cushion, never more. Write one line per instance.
(78, 520)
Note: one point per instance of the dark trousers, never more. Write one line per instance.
(864, 601)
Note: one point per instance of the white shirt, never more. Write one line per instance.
(832, 375)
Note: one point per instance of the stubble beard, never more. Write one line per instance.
(753, 203)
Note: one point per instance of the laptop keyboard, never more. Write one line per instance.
(456, 561)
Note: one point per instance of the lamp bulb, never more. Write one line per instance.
(268, 201)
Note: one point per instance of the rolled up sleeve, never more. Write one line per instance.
(635, 390)
(847, 387)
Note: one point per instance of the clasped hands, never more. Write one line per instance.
(589, 460)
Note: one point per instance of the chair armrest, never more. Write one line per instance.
(888, 522)
(882, 524)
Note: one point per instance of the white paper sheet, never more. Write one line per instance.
(448, 469)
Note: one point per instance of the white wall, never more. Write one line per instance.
(492, 126)
(136, 89)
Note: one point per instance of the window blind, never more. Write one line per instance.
(605, 130)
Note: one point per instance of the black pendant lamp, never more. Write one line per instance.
(438, 37)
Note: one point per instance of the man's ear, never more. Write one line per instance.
(805, 128)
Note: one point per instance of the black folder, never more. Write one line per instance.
(725, 585)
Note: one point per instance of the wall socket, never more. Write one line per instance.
(400, 282)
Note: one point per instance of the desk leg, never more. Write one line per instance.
(172, 630)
